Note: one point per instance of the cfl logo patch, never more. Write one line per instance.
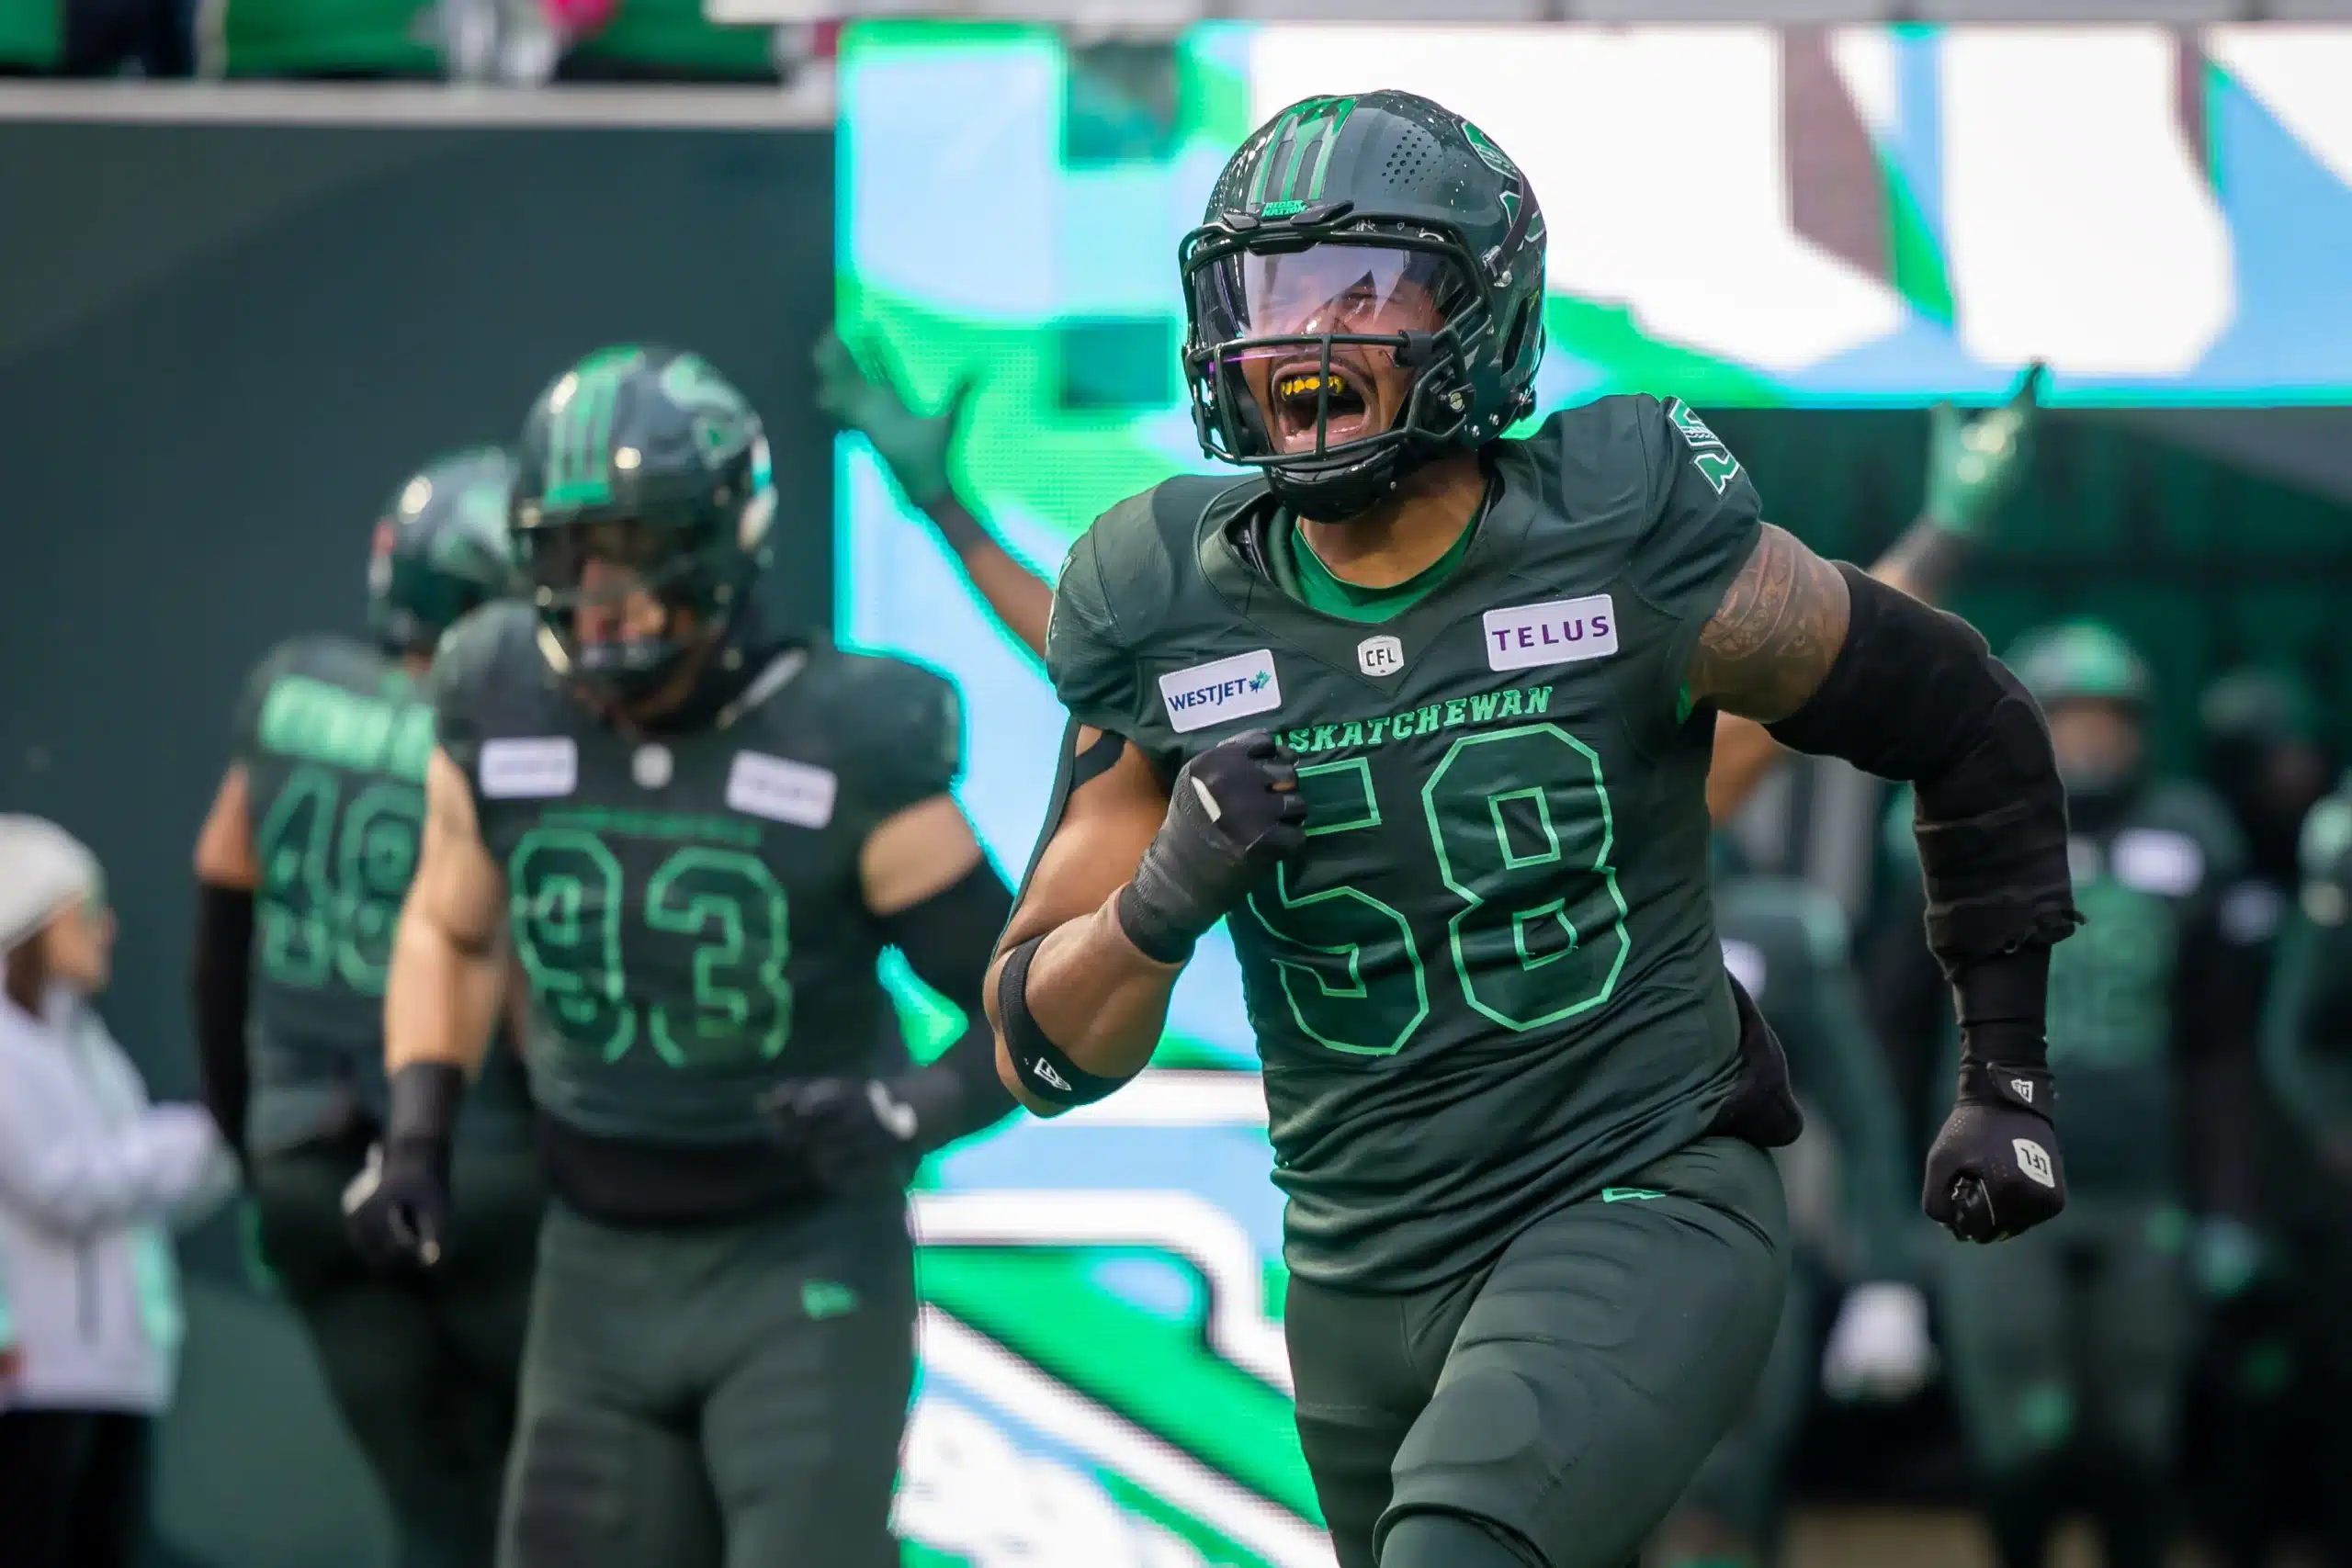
(2034, 1160)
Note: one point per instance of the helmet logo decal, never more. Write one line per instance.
(1488, 153)
(720, 416)
(1314, 124)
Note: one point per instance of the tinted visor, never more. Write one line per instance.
(602, 562)
(1333, 288)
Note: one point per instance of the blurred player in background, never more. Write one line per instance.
(2307, 1058)
(2069, 1349)
(2252, 1417)
(302, 865)
(708, 831)
(1537, 1252)
(1851, 1201)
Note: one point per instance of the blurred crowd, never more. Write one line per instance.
(511, 41)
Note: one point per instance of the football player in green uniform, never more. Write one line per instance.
(302, 865)
(2251, 1420)
(702, 833)
(2069, 1350)
(1428, 713)
(2307, 1059)
(1787, 944)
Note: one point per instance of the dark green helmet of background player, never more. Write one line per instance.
(2265, 753)
(440, 549)
(1365, 292)
(642, 499)
(2095, 689)
(2080, 661)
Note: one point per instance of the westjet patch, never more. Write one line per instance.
(781, 790)
(1558, 631)
(531, 769)
(1228, 688)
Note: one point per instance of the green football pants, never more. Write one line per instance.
(423, 1368)
(2068, 1348)
(1563, 1394)
(1741, 1486)
(725, 1396)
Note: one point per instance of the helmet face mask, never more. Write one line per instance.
(642, 518)
(1339, 342)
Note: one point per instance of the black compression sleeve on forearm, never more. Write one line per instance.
(1915, 695)
(424, 1098)
(220, 988)
(948, 939)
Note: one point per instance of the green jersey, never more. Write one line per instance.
(687, 905)
(1488, 985)
(333, 736)
(1789, 944)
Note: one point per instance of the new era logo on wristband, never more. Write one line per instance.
(1046, 1071)
(2034, 1160)
(2024, 1088)
(1224, 689)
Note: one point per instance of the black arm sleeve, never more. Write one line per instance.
(948, 939)
(1915, 695)
(220, 988)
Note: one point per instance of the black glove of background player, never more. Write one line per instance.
(1233, 812)
(1995, 1169)
(397, 1209)
(859, 1135)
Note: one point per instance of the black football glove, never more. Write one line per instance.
(1233, 812)
(397, 1208)
(859, 1135)
(1995, 1171)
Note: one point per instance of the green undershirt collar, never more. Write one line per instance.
(1298, 571)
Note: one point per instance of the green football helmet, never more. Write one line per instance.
(648, 464)
(1337, 225)
(440, 549)
(2080, 660)
(2258, 708)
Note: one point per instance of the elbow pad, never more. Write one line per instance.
(1915, 695)
(1044, 1067)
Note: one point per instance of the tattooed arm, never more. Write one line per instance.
(1770, 643)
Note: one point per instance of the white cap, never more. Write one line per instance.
(42, 869)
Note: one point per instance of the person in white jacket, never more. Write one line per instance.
(92, 1177)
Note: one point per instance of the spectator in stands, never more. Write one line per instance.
(89, 1175)
(108, 38)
